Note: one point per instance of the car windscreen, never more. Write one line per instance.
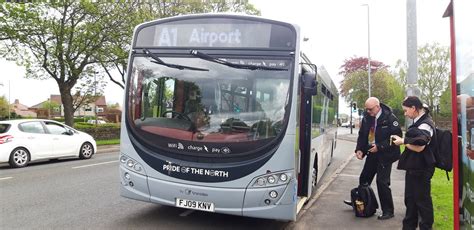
(215, 109)
(4, 128)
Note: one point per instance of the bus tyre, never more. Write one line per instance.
(19, 157)
(314, 173)
(86, 151)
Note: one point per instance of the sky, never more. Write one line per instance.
(336, 29)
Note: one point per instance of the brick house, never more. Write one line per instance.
(85, 110)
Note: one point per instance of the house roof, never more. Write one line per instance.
(57, 99)
(22, 110)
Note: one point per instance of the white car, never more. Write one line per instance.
(99, 122)
(23, 141)
(347, 125)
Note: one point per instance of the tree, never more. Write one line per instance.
(353, 71)
(401, 74)
(433, 73)
(59, 40)
(355, 83)
(3, 108)
(445, 109)
(50, 106)
(361, 63)
(384, 85)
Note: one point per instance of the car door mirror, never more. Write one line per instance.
(69, 132)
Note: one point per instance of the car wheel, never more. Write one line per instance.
(19, 158)
(87, 150)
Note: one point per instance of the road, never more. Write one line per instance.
(84, 194)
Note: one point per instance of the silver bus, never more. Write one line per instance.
(224, 113)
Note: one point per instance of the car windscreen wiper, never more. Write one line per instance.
(233, 65)
(157, 60)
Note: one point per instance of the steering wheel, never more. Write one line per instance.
(179, 115)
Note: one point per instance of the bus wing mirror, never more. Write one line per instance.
(309, 83)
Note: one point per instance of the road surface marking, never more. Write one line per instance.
(6, 178)
(103, 163)
(186, 213)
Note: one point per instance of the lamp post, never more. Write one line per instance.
(368, 43)
(95, 102)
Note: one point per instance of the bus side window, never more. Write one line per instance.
(318, 108)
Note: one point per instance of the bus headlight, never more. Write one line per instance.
(126, 176)
(131, 164)
(123, 159)
(272, 179)
(273, 194)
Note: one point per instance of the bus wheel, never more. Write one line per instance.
(314, 174)
(86, 151)
(19, 158)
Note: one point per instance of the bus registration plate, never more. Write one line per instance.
(193, 204)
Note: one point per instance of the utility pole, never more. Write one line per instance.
(95, 99)
(412, 50)
(368, 47)
(412, 53)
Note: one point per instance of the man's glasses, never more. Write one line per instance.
(370, 109)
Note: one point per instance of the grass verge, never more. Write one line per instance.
(108, 142)
(442, 194)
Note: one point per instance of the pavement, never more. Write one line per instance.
(108, 148)
(328, 210)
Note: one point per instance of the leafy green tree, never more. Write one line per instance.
(59, 40)
(50, 106)
(445, 109)
(355, 83)
(401, 73)
(3, 107)
(433, 73)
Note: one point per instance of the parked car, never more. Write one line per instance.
(347, 125)
(99, 122)
(24, 141)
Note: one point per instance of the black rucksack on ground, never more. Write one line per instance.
(364, 201)
(441, 146)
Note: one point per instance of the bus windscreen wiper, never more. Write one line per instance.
(233, 65)
(157, 60)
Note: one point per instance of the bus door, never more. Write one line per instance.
(308, 89)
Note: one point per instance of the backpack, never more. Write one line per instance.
(364, 201)
(441, 146)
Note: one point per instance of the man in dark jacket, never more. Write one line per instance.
(378, 124)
